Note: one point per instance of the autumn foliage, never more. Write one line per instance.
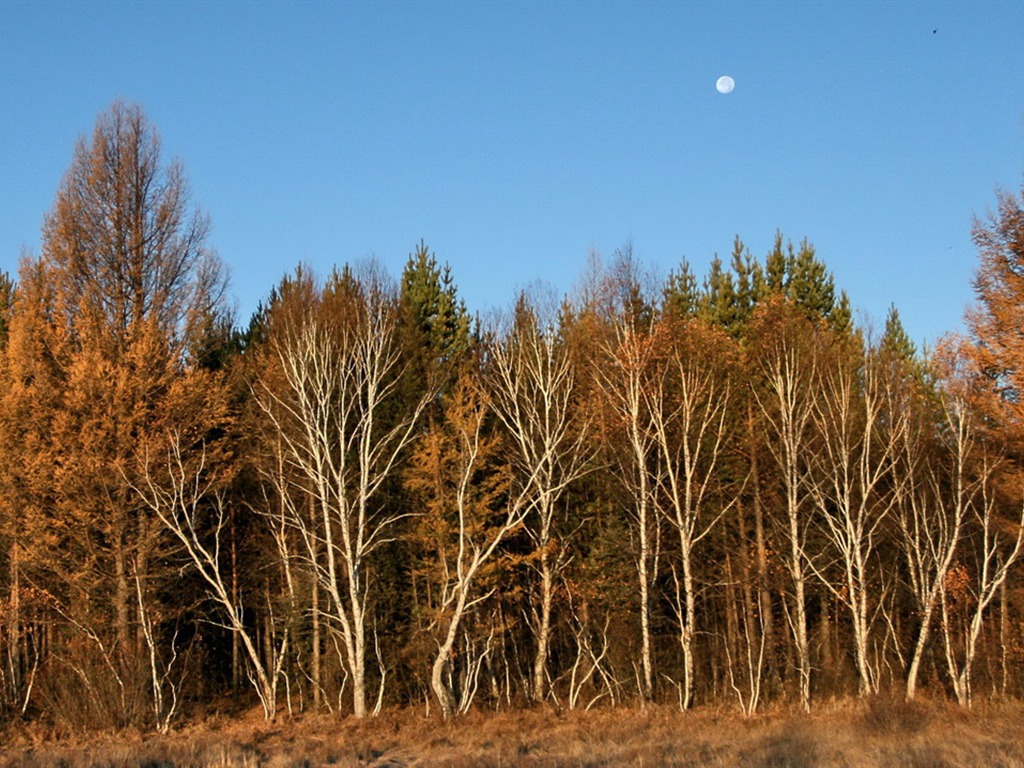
(669, 495)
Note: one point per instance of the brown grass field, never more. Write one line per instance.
(879, 732)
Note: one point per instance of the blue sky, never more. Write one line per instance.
(516, 138)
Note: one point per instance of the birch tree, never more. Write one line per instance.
(933, 493)
(623, 379)
(535, 391)
(859, 438)
(688, 401)
(470, 508)
(786, 361)
(1000, 538)
(339, 362)
(186, 495)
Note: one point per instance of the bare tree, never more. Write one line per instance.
(339, 363)
(788, 367)
(535, 390)
(623, 377)
(687, 401)
(999, 547)
(470, 509)
(934, 492)
(183, 493)
(859, 439)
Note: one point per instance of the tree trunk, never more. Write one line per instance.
(121, 600)
(540, 661)
(315, 640)
(14, 657)
(919, 646)
(688, 631)
(236, 647)
(645, 601)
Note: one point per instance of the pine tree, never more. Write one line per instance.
(681, 297)
(895, 342)
(718, 300)
(810, 286)
(748, 278)
(435, 323)
(775, 269)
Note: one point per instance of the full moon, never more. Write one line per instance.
(725, 84)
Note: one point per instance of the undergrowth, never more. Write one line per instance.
(877, 731)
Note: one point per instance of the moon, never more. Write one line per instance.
(725, 84)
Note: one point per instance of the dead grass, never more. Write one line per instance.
(846, 734)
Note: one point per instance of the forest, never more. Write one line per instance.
(718, 491)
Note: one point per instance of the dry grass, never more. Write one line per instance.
(846, 734)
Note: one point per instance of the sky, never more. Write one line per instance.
(516, 139)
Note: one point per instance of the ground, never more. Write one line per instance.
(847, 734)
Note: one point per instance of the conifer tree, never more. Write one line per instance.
(112, 312)
(718, 300)
(681, 296)
(895, 342)
(6, 306)
(995, 322)
(435, 327)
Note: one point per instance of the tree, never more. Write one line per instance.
(535, 390)
(187, 494)
(932, 491)
(469, 509)
(680, 297)
(688, 399)
(106, 325)
(996, 382)
(786, 363)
(6, 306)
(995, 322)
(623, 377)
(859, 437)
(435, 323)
(718, 304)
(895, 344)
(338, 363)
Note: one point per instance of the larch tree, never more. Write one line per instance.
(6, 305)
(114, 306)
(996, 320)
(996, 357)
(469, 507)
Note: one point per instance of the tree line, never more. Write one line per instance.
(705, 491)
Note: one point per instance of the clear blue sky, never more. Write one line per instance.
(515, 138)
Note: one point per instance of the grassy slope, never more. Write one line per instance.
(849, 734)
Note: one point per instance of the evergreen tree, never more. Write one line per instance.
(775, 269)
(840, 319)
(810, 286)
(895, 342)
(681, 297)
(435, 322)
(718, 304)
(748, 279)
